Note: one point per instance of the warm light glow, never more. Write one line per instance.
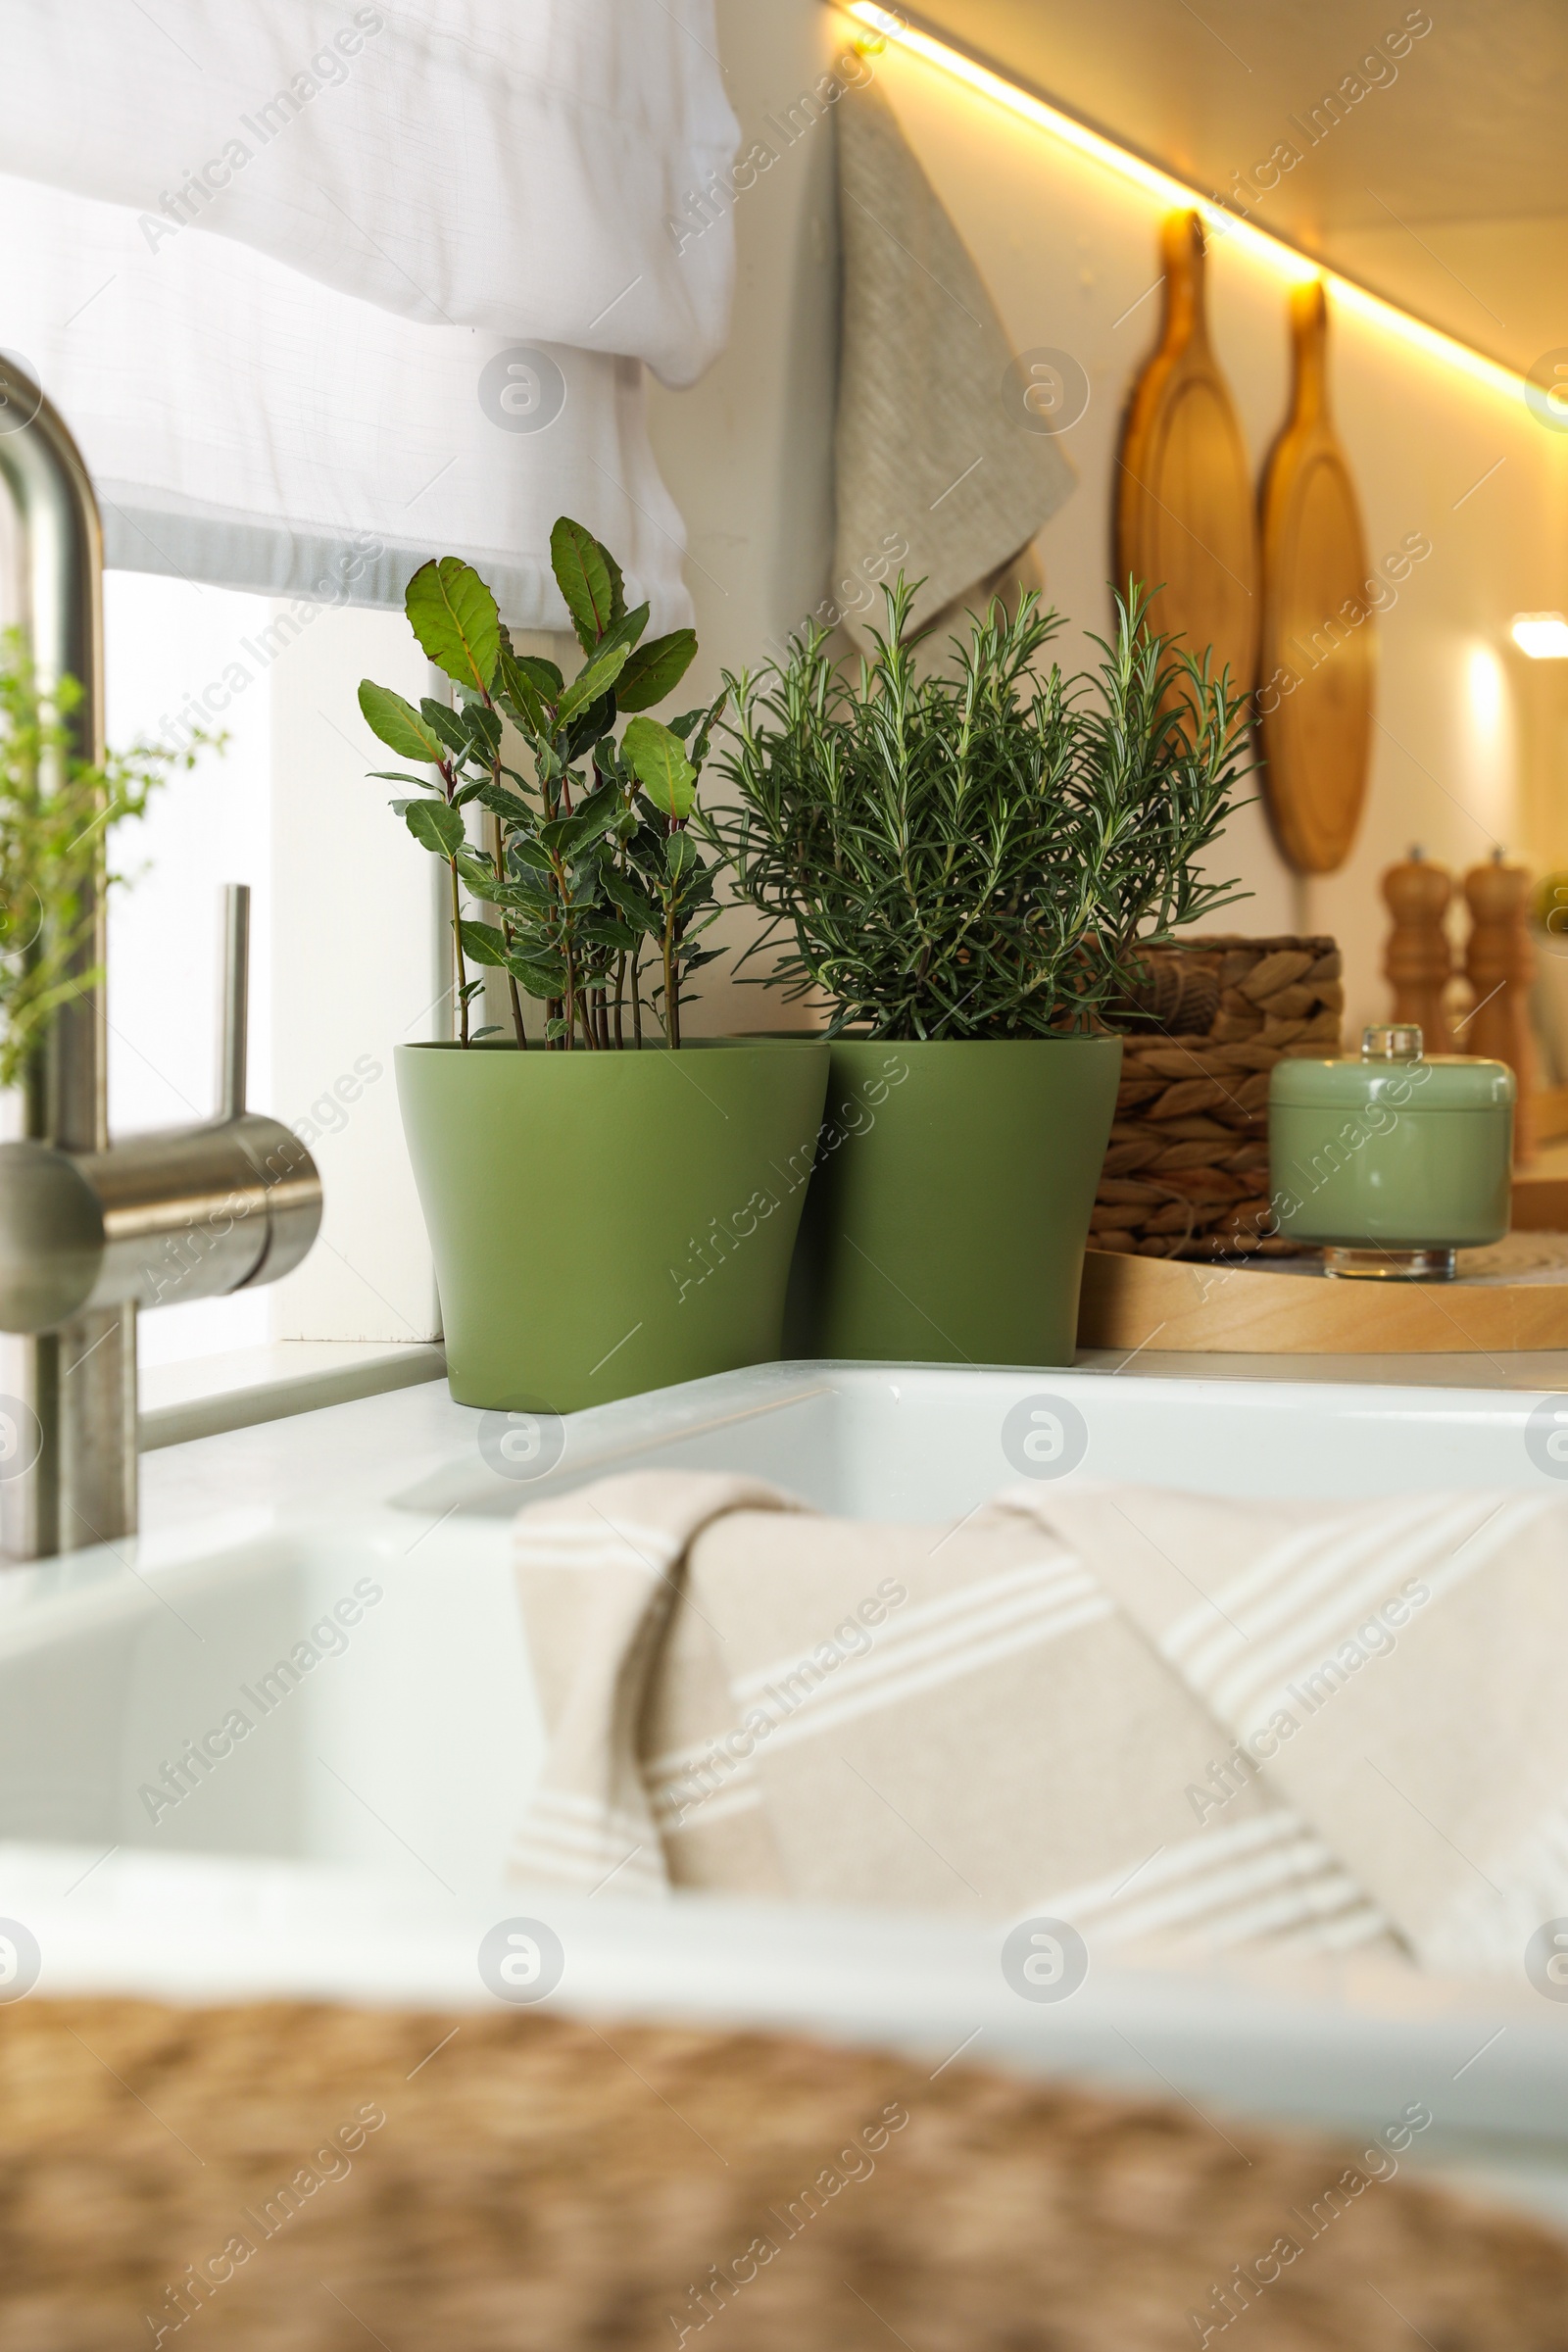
(1543, 636)
(1487, 690)
(1220, 221)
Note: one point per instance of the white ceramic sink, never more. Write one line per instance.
(927, 1443)
(405, 1746)
(351, 1839)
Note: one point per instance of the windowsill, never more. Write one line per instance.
(211, 1394)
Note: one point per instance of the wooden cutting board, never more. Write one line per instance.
(1319, 648)
(1184, 496)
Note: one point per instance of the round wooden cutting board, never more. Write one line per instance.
(1184, 523)
(1319, 648)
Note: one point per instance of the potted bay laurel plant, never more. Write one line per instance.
(600, 1192)
(962, 863)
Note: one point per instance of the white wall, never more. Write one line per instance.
(1066, 247)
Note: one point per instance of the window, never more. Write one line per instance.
(348, 949)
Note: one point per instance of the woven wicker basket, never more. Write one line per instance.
(1186, 1171)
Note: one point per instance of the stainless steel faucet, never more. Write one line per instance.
(89, 1233)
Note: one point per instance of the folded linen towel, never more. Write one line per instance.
(600, 1572)
(1150, 1714)
(1395, 1667)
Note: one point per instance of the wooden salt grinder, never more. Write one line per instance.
(1417, 962)
(1500, 962)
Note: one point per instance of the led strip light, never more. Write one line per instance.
(1219, 220)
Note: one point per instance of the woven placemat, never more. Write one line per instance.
(322, 2180)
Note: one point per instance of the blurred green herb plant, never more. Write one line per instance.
(588, 862)
(980, 850)
(55, 809)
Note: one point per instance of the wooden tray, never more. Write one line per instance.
(1184, 523)
(1319, 652)
(1514, 1296)
(1541, 1185)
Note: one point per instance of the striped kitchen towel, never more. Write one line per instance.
(941, 1719)
(1393, 1669)
(1071, 1705)
(601, 1571)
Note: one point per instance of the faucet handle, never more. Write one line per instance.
(234, 986)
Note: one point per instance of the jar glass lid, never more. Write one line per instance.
(1404, 1043)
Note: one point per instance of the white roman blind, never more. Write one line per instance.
(323, 289)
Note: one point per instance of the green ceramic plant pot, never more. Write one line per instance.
(606, 1223)
(950, 1208)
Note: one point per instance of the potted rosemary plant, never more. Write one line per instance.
(962, 864)
(598, 1192)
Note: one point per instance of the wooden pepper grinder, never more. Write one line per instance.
(1499, 964)
(1418, 963)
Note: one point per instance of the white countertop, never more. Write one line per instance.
(337, 1458)
(1528, 1369)
(305, 1457)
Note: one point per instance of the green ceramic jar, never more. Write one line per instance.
(1394, 1159)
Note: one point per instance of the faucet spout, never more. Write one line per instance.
(89, 1233)
(71, 1439)
(63, 593)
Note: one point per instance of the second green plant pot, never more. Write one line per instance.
(950, 1209)
(606, 1223)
